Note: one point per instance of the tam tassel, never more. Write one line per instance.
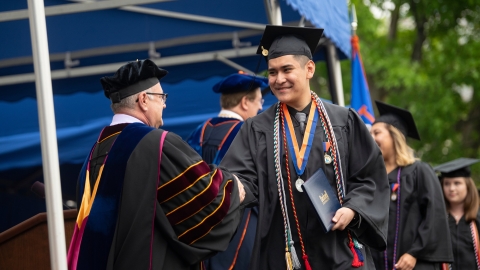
(295, 260)
(307, 264)
(356, 261)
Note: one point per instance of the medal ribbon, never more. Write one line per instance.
(326, 146)
(394, 187)
(300, 156)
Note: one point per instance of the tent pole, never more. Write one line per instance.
(334, 73)
(232, 64)
(112, 67)
(46, 115)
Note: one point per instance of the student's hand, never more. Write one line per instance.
(342, 218)
(241, 189)
(406, 262)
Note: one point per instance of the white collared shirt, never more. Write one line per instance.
(121, 118)
(230, 114)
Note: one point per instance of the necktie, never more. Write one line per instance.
(301, 117)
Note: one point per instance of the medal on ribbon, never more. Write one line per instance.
(394, 188)
(326, 148)
(300, 156)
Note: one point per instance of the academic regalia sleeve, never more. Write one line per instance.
(367, 184)
(200, 201)
(432, 241)
(239, 159)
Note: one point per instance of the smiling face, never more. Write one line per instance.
(384, 140)
(455, 189)
(289, 77)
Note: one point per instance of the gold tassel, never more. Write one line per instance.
(288, 260)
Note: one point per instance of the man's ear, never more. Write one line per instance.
(142, 101)
(244, 103)
(310, 66)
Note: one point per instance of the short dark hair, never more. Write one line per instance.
(302, 59)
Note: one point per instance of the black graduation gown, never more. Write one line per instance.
(462, 243)
(251, 157)
(423, 230)
(158, 205)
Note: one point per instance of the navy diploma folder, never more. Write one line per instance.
(323, 198)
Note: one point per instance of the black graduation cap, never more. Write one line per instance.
(397, 117)
(456, 168)
(131, 78)
(289, 40)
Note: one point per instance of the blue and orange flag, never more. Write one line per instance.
(361, 101)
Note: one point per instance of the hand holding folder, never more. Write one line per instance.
(323, 198)
(342, 218)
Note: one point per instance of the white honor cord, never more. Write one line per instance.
(334, 140)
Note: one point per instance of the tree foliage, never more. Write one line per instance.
(421, 60)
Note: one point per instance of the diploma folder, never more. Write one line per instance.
(323, 198)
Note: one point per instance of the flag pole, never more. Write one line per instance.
(353, 20)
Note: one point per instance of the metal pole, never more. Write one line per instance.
(354, 21)
(46, 116)
(334, 74)
(232, 64)
(274, 12)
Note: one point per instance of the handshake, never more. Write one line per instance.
(241, 189)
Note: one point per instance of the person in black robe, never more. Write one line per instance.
(462, 201)
(146, 199)
(289, 233)
(418, 234)
(241, 98)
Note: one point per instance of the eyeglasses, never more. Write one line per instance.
(261, 101)
(162, 95)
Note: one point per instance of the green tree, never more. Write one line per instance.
(422, 59)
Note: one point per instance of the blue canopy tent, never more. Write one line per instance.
(198, 41)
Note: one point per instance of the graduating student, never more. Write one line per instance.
(278, 150)
(461, 199)
(146, 199)
(418, 234)
(241, 98)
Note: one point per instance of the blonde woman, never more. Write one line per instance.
(461, 199)
(417, 216)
